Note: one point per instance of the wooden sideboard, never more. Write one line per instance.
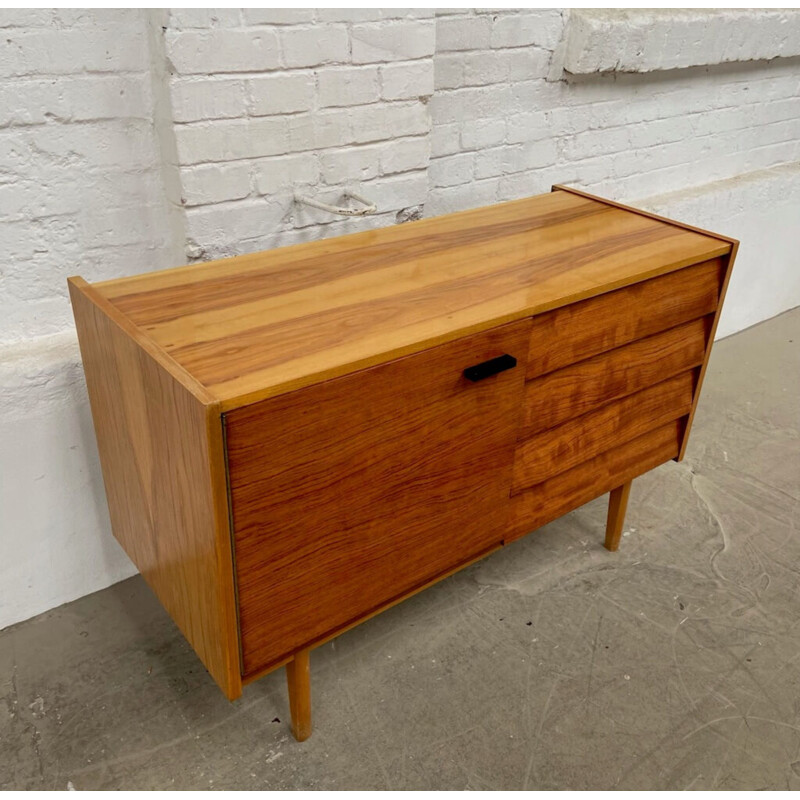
(295, 440)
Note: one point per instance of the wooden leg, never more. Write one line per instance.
(617, 505)
(298, 676)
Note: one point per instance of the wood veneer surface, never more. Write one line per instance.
(534, 507)
(161, 455)
(260, 325)
(559, 449)
(354, 491)
(574, 390)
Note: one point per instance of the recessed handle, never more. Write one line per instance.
(491, 367)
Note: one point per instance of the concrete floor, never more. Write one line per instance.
(553, 664)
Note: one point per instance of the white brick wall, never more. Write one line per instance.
(625, 136)
(80, 193)
(77, 155)
(316, 91)
(134, 140)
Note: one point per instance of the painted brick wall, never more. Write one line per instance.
(134, 140)
(509, 122)
(268, 103)
(80, 188)
(81, 192)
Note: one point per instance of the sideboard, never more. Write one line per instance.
(294, 440)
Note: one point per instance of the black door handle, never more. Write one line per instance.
(491, 367)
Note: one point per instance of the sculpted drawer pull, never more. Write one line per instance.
(491, 367)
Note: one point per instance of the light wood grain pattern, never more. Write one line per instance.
(569, 392)
(641, 212)
(162, 458)
(298, 678)
(559, 449)
(617, 506)
(549, 500)
(258, 326)
(354, 491)
(580, 330)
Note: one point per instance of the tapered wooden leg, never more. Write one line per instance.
(298, 676)
(617, 505)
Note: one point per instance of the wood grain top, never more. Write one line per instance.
(259, 325)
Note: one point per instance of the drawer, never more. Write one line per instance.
(546, 501)
(572, 391)
(351, 493)
(564, 447)
(581, 330)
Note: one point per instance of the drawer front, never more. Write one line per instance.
(351, 493)
(532, 508)
(564, 447)
(572, 391)
(581, 330)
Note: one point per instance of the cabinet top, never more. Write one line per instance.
(242, 329)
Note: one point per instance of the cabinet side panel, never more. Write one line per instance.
(710, 342)
(162, 459)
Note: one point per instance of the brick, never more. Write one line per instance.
(228, 225)
(591, 143)
(496, 161)
(527, 63)
(515, 158)
(445, 139)
(273, 175)
(203, 99)
(101, 144)
(202, 52)
(484, 68)
(281, 94)
(448, 199)
(377, 122)
(463, 33)
(327, 128)
(448, 70)
(117, 226)
(483, 133)
(539, 154)
(26, 17)
(214, 183)
(394, 193)
(526, 184)
(473, 103)
(74, 98)
(400, 40)
(407, 80)
(277, 16)
(404, 155)
(348, 86)
(64, 52)
(371, 14)
(310, 47)
(348, 166)
(230, 140)
(452, 170)
(99, 17)
(528, 126)
(540, 28)
(203, 17)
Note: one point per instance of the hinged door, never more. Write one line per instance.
(353, 492)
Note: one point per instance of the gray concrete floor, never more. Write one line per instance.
(553, 664)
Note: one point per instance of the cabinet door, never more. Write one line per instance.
(350, 493)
